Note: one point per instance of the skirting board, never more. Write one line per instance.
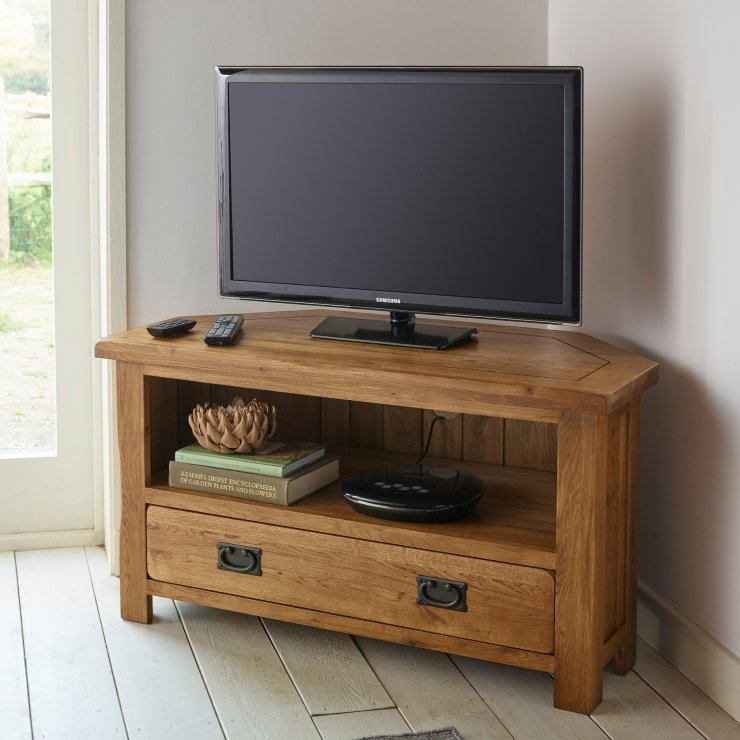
(700, 657)
(47, 540)
(114, 558)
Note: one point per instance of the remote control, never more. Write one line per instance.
(170, 328)
(224, 329)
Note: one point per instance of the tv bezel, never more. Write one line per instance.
(567, 312)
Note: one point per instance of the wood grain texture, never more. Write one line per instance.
(625, 657)
(298, 417)
(691, 703)
(446, 438)
(15, 715)
(334, 421)
(162, 414)
(172, 700)
(224, 394)
(579, 598)
(483, 439)
(252, 692)
(188, 396)
(507, 604)
(72, 694)
(615, 531)
(366, 425)
(327, 669)
(612, 645)
(521, 700)
(504, 371)
(530, 444)
(514, 521)
(430, 692)
(402, 430)
(361, 724)
(350, 625)
(633, 711)
(465, 404)
(133, 441)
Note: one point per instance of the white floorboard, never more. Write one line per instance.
(160, 688)
(430, 692)
(691, 703)
(522, 700)
(198, 673)
(361, 724)
(15, 717)
(252, 692)
(631, 710)
(327, 668)
(71, 687)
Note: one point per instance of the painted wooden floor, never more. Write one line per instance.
(70, 668)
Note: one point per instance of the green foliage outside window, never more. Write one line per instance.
(30, 225)
(24, 69)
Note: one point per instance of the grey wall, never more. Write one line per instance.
(662, 265)
(172, 47)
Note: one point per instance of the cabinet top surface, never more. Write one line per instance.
(502, 365)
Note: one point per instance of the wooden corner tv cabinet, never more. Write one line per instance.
(548, 419)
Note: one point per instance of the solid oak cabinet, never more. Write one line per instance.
(543, 572)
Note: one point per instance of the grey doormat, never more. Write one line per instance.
(446, 733)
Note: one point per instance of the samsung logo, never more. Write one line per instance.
(387, 300)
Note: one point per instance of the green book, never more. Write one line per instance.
(279, 463)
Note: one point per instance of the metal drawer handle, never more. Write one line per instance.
(239, 559)
(456, 595)
(441, 593)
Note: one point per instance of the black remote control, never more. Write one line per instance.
(224, 329)
(170, 328)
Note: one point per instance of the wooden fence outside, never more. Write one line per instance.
(16, 180)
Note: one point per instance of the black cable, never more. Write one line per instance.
(429, 438)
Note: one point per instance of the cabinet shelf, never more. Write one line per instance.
(514, 521)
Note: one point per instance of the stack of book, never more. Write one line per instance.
(280, 473)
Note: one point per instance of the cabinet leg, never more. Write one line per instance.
(624, 660)
(580, 690)
(579, 601)
(136, 604)
(133, 443)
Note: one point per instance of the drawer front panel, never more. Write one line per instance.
(505, 604)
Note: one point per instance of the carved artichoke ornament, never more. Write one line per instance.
(238, 427)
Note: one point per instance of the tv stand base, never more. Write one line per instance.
(393, 332)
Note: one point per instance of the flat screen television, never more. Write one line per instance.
(453, 191)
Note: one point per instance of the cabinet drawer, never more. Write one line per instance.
(506, 604)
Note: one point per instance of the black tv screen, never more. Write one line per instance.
(452, 191)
